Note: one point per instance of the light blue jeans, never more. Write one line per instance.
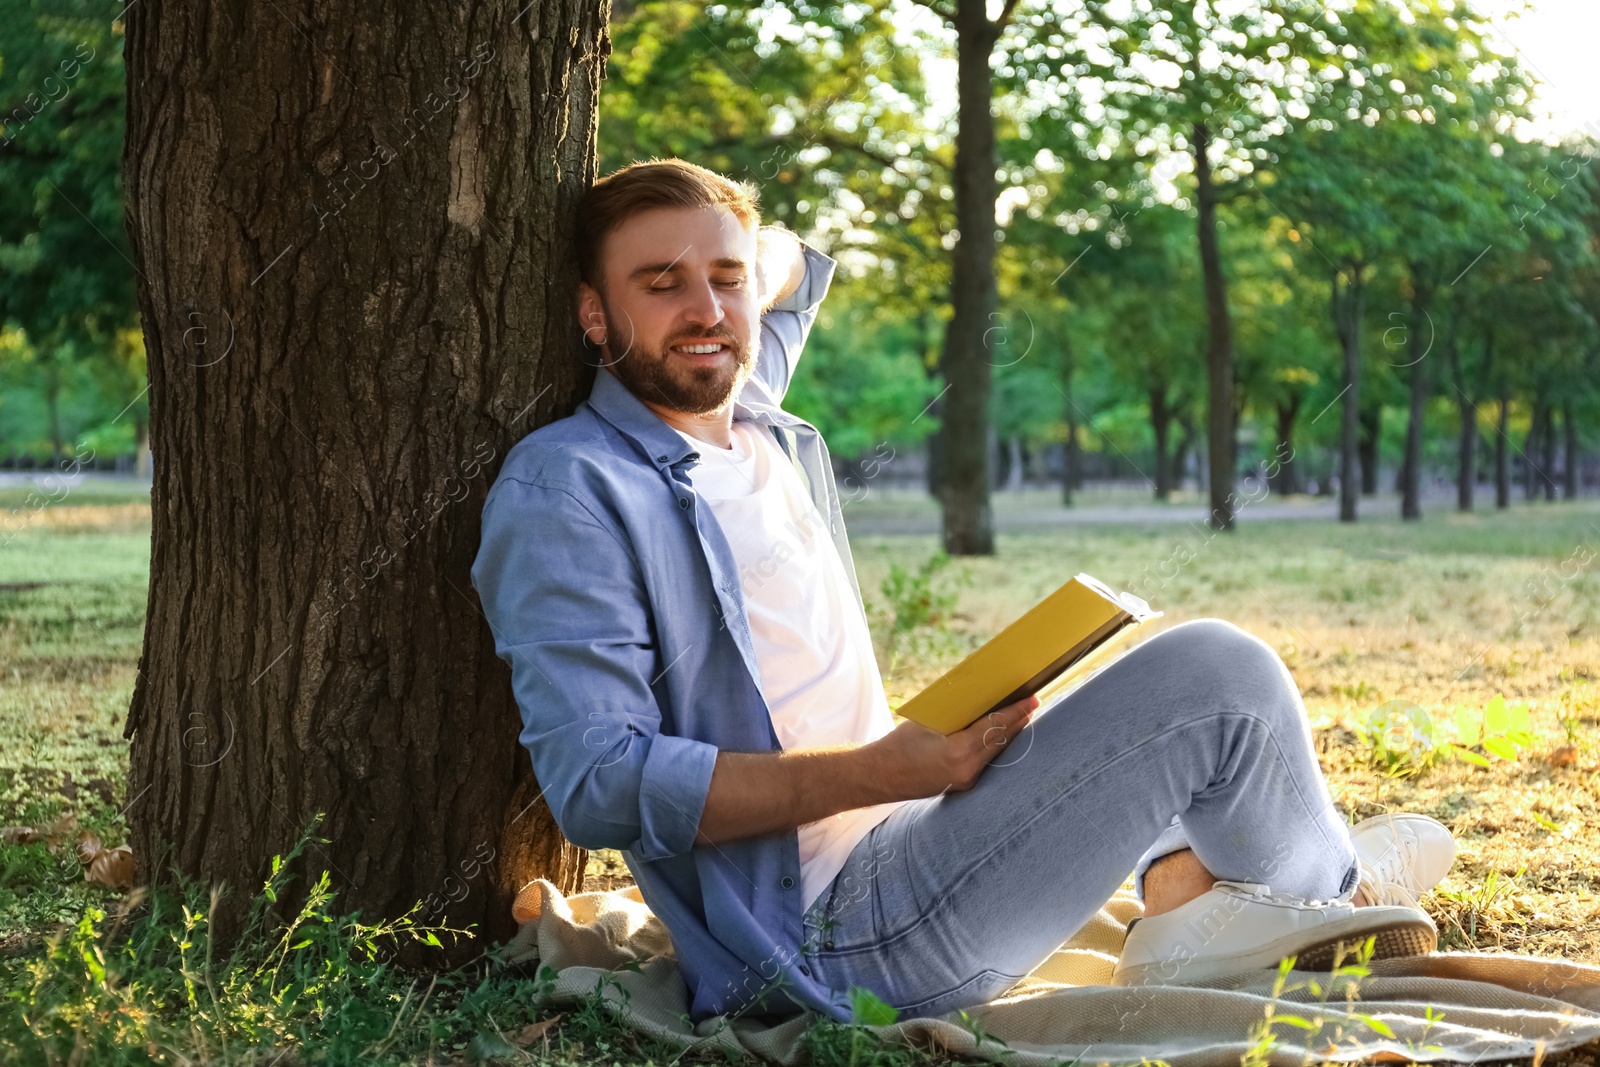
(1194, 739)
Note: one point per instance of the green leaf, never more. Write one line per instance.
(1468, 725)
(1469, 756)
(1380, 1026)
(1499, 746)
(1496, 720)
(867, 1010)
(1521, 720)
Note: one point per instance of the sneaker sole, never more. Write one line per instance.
(1398, 939)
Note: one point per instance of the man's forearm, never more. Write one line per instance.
(755, 793)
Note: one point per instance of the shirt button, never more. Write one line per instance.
(683, 502)
(805, 970)
(661, 459)
(787, 882)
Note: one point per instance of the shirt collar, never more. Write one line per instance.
(665, 446)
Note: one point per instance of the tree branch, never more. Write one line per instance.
(949, 17)
(1005, 16)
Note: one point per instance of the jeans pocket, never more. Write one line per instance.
(979, 989)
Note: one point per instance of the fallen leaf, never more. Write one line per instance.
(1565, 756)
(532, 1032)
(88, 847)
(112, 867)
(19, 835)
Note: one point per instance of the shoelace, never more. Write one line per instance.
(1383, 882)
(1259, 891)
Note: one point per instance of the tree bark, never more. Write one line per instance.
(1219, 340)
(369, 220)
(1347, 296)
(968, 528)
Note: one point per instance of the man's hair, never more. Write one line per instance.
(653, 183)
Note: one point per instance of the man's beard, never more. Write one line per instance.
(663, 377)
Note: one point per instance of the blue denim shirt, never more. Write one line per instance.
(616, 601)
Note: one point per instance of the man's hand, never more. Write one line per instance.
(780, 264)
(915, 761)
(755, 793)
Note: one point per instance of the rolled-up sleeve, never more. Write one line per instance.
(568, 609)
(787, 323)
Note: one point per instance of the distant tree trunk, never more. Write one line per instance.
(1411, 487)
(52, 404)
(1371, 432)
(1186, 445)
(1502, 462)
(1467, 441)
(1071, 474)
(1348, 291)
(968, 528)
(1017, 476)
(1287, 481)
(1547, 444)
(931, 367)
(396, 317)
(1569, 475)
(1161, 430)
(1220, 442)
(1530, 452)
(141, 438)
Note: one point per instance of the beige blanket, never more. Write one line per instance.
(1456, 1007)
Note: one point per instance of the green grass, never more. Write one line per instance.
(1440, 614)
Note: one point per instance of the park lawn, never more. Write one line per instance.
(1446, 614)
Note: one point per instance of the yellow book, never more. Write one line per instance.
(1058, 643)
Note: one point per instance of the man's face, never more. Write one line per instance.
(680, 309)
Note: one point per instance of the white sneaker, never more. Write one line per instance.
(1402, 857)
(1243, 926)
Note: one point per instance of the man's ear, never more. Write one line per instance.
(591, 314)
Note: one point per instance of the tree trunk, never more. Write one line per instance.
(1161, 429)
(1467, 441)
(1219, 340)
(1071, 476)
(1286, 480)
(1547, 458)
(1371, 432)
(1530, 452)
(1411, 466)
(52, 403)
(141, 445)
(968, 524)
(1569, 475)
(1186, 445)
(1502, 462)
(931, 366)
(1347, 307)
(1016, 475)
(385, 246)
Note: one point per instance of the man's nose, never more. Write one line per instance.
(705, 305)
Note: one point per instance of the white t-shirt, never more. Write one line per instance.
(818, 672)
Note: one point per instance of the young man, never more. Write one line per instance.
(667, 574)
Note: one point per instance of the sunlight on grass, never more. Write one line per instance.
(1440, 617)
